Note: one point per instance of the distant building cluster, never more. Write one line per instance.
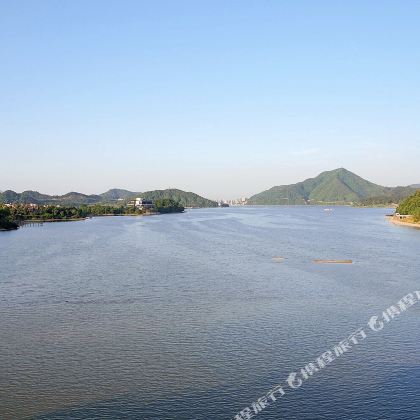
(139, 203)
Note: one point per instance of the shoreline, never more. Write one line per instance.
(79, 219)
(27, 221)
(122, 215)
(396, 221)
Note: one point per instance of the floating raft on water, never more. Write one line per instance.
(333, 261)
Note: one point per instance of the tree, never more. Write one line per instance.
(411, 206)
(167, 205)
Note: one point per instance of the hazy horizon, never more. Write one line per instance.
(222, 99)
(185, 189)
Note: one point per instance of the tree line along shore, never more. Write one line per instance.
(14, 215)
(408, 211)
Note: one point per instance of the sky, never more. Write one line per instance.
(223, 98)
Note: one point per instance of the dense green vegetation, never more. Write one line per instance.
(167, 205)
(337, 186)
(186, 199)
(34, 197)
(6, 219)
(23, 212)
(411, 206)
(394, 197)
(116, 194)
(12, 216)
(109, 210)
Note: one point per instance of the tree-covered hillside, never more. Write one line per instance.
(186, 199)
(411, 206)
(337, 186)
(25, 197)
(34, 197)
(395, 196)
(117, 194)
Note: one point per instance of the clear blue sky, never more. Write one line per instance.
(224, 98)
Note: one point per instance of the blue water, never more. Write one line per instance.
(187, 316)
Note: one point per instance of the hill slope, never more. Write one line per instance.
(23, 198)
(411, 206)
(117, 194)
(187, 199)
(34, 197)
(337, 186)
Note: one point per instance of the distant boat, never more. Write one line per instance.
(328, 209)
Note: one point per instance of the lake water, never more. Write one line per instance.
(186, 316)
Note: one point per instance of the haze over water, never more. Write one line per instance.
(186, 316)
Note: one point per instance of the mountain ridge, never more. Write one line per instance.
(336, 186)
(112, 196)
(339, 186)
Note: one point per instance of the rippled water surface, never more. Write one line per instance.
(187, 316)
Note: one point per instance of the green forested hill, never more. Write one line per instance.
(117, 194)
(187, 199)
(34, 197)
(23, 198)
(392, 197)
(411, 205)
(337, 186)
(75, 198)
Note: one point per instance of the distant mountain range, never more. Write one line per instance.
(187, 199)
(337, 186)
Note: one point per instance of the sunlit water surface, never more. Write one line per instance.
(187, 316)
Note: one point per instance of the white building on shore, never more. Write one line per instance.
(139, 203)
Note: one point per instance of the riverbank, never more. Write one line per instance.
(403, 222)
(53, 220)
(124, 215)
(6, 226)
(78, 219)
